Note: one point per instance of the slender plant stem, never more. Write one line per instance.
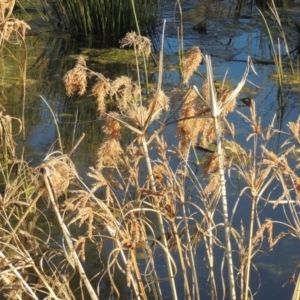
(160, 221)
(73, 259)
(215, 111)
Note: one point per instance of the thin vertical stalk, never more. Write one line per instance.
(191, 257)
(180, 36)
(215, 111)
(139, 32)
(182, 262)
(73, 259)
(252, 217)
(160, 221)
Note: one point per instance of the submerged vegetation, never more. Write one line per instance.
(144, 212)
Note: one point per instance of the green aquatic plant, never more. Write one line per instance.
(105, 17)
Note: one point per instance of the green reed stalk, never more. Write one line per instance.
(180, 36)
(144, 58)
(276, 58)
(104, 17)
(281, 30)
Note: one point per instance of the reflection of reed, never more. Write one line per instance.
(104, 17)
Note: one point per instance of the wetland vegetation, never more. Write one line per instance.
(189, 187)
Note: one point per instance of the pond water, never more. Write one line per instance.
(229, 40)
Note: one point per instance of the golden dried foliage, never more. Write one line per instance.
(211, 164)
(295, 129)
(129, 269)
(80, 243)
(268, 226)
(160, 172)
(85, 214)
(255, 122)
(13, 26)
(191, 60)
(112, 127)
(140, 43)
(101, 90)
(213, 185)
(279, 164)
(236, 152)
(60, 171)
(222, 96)
(136, 232)
(137, 114)
(76, 78)
(124, 91)
(188, 127)
(296, 182)
(6, 8)
(7, 142)
(109, 154)
(157, 103)
(80, 199)
(168, 204)
(206, 125)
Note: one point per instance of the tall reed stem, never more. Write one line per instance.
(73, 259)
(215, 111)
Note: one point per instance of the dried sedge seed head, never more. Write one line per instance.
(207, 130)
(60, 171)
(213, 185)
(271, 158)
(124, 91)
(137, 114)
(187, 129)
(101, 90)
(211, 164)
(205, 91)
(296, 181)
(295, 129)
(5, 7)
(157, 103)
(109, 154)
(140, 43)
(191, 60)
(223, 96)
(13, 27)
(76, 79)
(160, 172)
(112, 127)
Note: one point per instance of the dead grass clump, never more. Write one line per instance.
(112, 127)
(76, 78)
(60, 171)
(140, 43)
(124, 91)
(190, 62)
(188, 126)
(267, 226)
(157, 103)
(295, 129)
(109, 154)
(101, 90)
